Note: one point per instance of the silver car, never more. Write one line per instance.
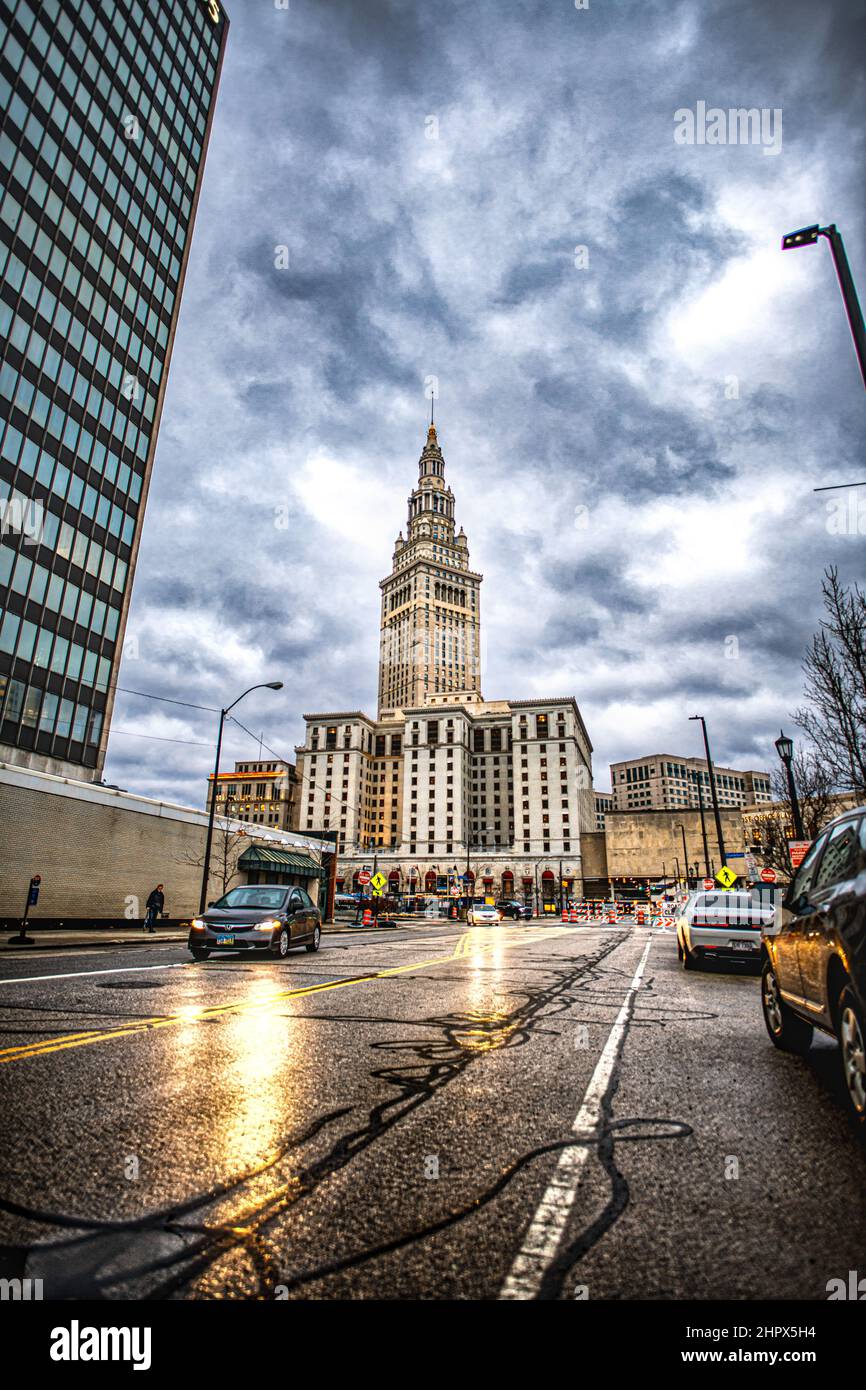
(483, 915)
(721, 926)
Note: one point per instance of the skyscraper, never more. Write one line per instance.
(431, 601)
(107, 108)
(445, 784)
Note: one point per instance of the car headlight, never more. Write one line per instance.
(197, 924)
(268, 924)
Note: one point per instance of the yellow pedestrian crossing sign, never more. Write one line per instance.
(378, 881)
(726, 877)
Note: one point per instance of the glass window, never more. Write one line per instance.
(839, 858)
(26, 641)
(30, 708)
(58, 658)
(13, 702)
(49, 713)
(64, 719)
(9, 632)
(42, 654)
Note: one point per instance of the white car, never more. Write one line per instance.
(721, 926)
(480, 915)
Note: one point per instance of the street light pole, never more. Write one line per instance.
(685, 852)
(698, 776)
(785, 750)
(268, 685)
(713, 792)
(807, 236)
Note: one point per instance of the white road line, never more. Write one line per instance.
(542, 1239)
(77, 974)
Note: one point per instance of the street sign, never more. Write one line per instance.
(33, 895)
(379, 880)
(726, 876)
(376, 892)
(797, 850)
(708, 884)
(364, 876)
(768, 875)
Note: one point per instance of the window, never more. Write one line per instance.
(840, 857)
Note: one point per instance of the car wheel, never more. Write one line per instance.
(199, 952)
(786, 1030)
(317, 936)
(679, 950)
(851, 1032)
(688, 960)
(284, 942)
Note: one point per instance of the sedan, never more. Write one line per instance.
(518, 911)
(257, 917)
(721, 926)
(814, 968)
(483, 915)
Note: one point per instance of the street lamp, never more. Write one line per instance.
(268, 685)
(713, 792)
(807, 236)
(785, 750)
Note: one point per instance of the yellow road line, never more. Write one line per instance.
(464, 949)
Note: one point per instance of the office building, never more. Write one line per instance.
(107, 111)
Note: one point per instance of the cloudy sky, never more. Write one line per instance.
(637, 391)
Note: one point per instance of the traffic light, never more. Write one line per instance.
(806, 236)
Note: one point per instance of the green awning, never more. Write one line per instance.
(280, 860)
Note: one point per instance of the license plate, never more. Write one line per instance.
(225, 941)
(742, 946)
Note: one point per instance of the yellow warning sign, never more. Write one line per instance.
(379, 880)
(726, 876)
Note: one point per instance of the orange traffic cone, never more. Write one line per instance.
(368, 917)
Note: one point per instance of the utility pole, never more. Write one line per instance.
(700, 784)
(713, 792)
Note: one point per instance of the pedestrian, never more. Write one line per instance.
(154, 907)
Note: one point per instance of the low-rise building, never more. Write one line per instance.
(100, 850)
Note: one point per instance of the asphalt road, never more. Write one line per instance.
(527, 1111)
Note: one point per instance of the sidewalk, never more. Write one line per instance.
(58, 938)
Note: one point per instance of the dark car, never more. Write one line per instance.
(509, 907)
(814, 968)
(257, 917)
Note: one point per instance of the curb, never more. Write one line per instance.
(92, 941)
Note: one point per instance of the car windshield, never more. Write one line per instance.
(251, 895)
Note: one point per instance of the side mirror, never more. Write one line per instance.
(209, 906)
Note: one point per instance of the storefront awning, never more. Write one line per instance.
(285, 861)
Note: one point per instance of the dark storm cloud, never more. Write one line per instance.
(633, 445)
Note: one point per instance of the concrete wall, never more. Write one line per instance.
(99, 851)
(640, 843)
(593, 851)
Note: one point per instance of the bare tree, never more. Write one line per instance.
(771, 831)
(227, 847)
(834, 721)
